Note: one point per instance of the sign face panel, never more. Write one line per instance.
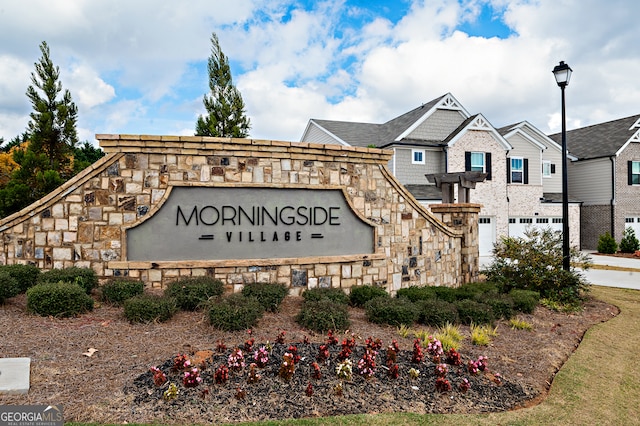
(202, 223)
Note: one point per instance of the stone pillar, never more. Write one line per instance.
(463, 217)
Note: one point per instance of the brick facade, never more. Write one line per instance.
(84, 223)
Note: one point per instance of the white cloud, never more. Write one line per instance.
(87, 88)
(138, 66)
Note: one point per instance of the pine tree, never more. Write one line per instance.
(225, 107)
(52, 128)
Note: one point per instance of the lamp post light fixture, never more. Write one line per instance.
(562, 73)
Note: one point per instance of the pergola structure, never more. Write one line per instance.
(447, 182)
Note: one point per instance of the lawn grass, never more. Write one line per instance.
(599, 384)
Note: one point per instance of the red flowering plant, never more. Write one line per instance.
(417, 356)
(478, 365)
(434, 348)
(220, 347)
(280, 337)
(331, 339)
(347, 348)
(261, 357)
(253, 376)
(394, 371)
(236, 360)
(221, 374)
(464, 385)
(367, 364)
(442, 385)
(323, 353)
(392, 353)
(374, 345)
(288, 367)
(191, 378)
(248, 345)
(181, 362)
(309, 390)
(294, 353)
(315, 371)
(453, 357)
(442, 370)
(159, 378)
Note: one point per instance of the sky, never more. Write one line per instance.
(140, 67)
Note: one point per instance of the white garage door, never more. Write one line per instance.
(518, 226)
(486, 235)
(633, 222)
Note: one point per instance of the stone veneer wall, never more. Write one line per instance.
(84, 222)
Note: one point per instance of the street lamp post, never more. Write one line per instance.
(562, 73)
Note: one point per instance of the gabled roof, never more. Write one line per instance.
(528, 131)
(476, 122)
(602, 140)
(393, 131)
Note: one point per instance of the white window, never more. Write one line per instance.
(477, 161)
(546, 169)
(517, 170)
(635, 173)
(417, 156)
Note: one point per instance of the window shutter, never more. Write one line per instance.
(630, 172)
(508, 170)
(526, 171)
(553, 169)
(467, 161)
(487, 159)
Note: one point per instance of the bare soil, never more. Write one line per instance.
(114, 385)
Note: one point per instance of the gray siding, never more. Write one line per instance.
(590, 181)
(413, 174)
(317, 135)
(553, 183)
(438, 126)
(525, 149)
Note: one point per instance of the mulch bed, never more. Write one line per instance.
(114, 384)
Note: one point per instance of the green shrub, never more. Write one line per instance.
(607, 244)
(25, 275)
(437, 312)
(416, 293)
(84, 277)
(118, 290)
(191, 293)
(448, 294)
(362, 294)
(334, 294)
(8, 286)
(235, 312)
(146, 308)
(269, 295)
(470, 311)
(61, 299)
(392, 311)
(535, 262)
(476, 290)
(502, 305)
(525, 301)
(323, 315)
(629, 242)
